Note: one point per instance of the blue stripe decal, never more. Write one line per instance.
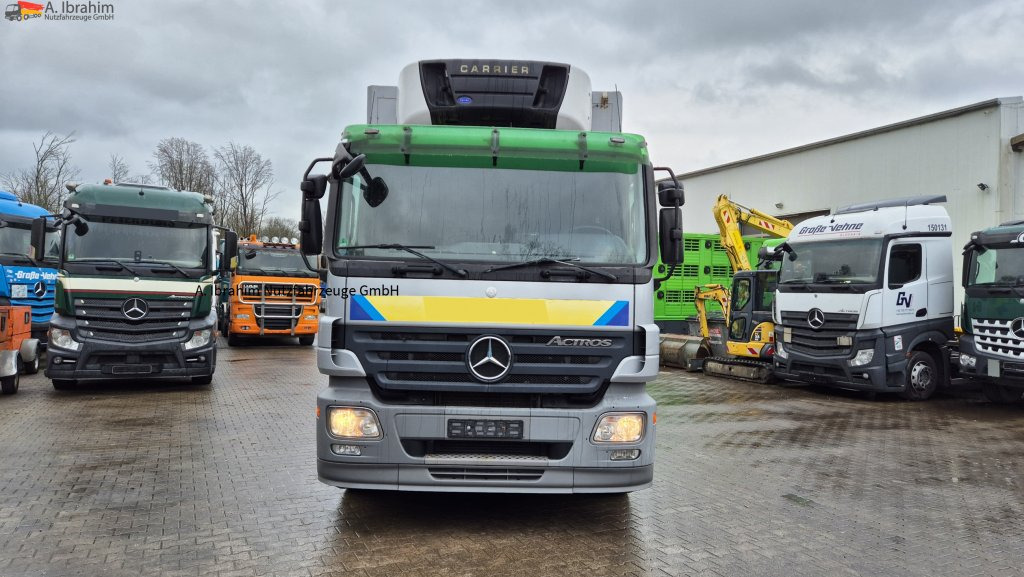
(617, 315)
(360, 309)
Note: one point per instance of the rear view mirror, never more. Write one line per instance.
(314, 186)
(342, 168)
(669, 194)
(375, 192)
(670, 235)
(81, 227)
(230, 255)
(311, 227)
(38, 238)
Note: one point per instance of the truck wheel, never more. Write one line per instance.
(1000, 394)
(922, 377)
(306, 341)
(234, 340)
(33, 367)
(9, 385)
(204, 380)
(64, 384)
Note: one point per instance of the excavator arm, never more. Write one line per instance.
(713, 292)
(729, 215)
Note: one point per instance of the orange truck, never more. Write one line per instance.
(273, 291)
(19, 352)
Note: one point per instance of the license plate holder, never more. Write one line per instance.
(484, 429)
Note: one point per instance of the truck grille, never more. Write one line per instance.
(822, 342)
(276, 292)
(994, 337)
(277, 317)
(421, 359)
(103, 319)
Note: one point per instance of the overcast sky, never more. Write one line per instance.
(705, 82)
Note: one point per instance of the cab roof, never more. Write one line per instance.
(10, 205)
(490, 147)
(140, 201)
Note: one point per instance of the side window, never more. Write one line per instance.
(741, 297)
(904, 264)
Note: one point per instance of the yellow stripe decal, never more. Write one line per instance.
(489, 310)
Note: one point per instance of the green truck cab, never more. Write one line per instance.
(135, 288)
(992, 317)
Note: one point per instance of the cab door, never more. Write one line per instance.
(906, 284)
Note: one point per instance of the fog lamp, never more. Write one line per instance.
(310, 317)
(625, 454)
(863, 357)
(619, 428)
(352, 423)
(968, 361)
(349, 450)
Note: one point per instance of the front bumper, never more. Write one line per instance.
(881, 374)
(398, 461)
(1003, 371)
(99, 359)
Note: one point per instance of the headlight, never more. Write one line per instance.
(199, 338)
(863, 357)
(62, 338)
(620, 428)
(310, 317)
(243, 316)
(967, 361)
(353, 423)
(779, 351)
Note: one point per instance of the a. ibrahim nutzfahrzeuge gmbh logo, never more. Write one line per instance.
(60, 11)
(135, 309)
(489, 358)
(816, 318)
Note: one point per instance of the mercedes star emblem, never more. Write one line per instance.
(489, 358)
(1017, 327)
(134, 309)
(39, 289)
(815, 318)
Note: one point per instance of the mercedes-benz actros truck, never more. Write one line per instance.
(992, 318)
(865, 298)
(489, 242)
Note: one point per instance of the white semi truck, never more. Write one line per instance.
(489, 322)
(865, 298)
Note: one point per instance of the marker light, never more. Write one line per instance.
(620, 428)
(353, 423)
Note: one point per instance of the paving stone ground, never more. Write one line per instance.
(173, 479)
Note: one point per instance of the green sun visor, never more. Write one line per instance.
(482, 147)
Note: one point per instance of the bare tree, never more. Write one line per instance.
(244, 182)
(184, 165)
(278, 226)
(43, 184)
(141, 179)
(118, 169)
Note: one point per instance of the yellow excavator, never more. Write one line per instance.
(745, 351)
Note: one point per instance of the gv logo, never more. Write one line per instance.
(903, 299)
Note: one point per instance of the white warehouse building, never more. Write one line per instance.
(974, 155)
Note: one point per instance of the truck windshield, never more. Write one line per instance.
(272, 262)
(833, 261)
(997, 266)
(181, 244)
(498, 215)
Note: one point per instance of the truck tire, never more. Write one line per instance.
(9, 385)
(203, 380)
(922, 377)
(33, 367)
(307, 340)
(1000, 394)
(64, 384)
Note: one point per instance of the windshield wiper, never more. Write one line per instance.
(174, 266)
(545, 260)
(411, 250)
(113, 260)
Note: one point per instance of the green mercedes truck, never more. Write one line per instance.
(135, 287)
(489, 243)
(992, 318)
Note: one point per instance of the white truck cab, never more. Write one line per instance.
(865, 298)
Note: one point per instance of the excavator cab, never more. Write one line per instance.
(750, 321)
